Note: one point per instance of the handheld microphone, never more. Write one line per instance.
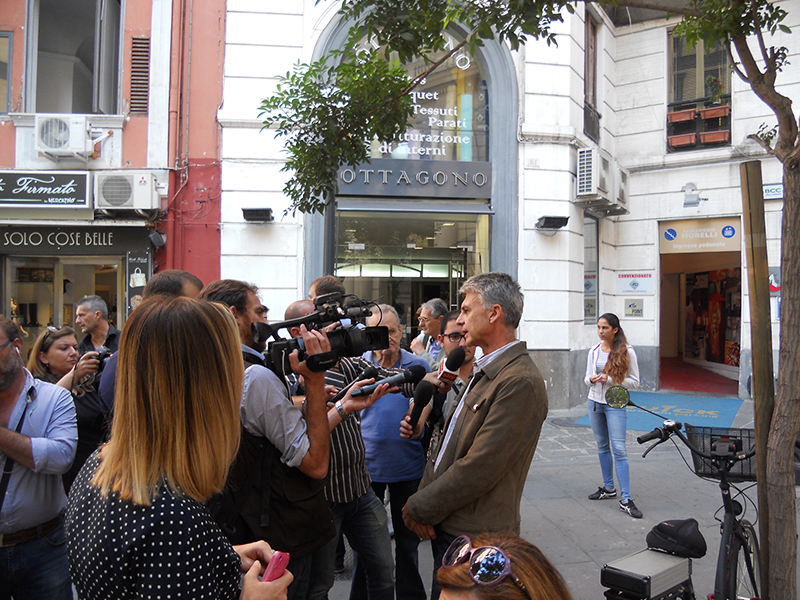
(413, 374)
(422, 396)
(448, 369)
(367, 373)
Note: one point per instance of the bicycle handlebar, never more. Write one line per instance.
(663, 433)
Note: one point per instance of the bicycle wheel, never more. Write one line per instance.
(744, 566)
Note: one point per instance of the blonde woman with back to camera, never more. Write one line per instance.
(498, 567)
(136, 522)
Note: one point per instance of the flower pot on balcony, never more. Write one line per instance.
(679, 141)
(715, 112)
(681, 115)
(715, 137)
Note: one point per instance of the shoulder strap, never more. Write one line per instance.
(10, 461)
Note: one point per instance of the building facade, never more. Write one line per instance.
(109, 151)
(603, 173)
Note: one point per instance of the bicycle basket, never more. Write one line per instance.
(702, 438)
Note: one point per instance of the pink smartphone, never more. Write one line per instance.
(276, 566)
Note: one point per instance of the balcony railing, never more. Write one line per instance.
(698, 124)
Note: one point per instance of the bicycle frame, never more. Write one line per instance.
(722, 459)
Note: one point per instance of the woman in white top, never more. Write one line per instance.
(611, 362)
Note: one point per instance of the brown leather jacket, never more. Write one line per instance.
(478, 484)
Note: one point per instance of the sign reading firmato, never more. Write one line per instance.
(701, 235)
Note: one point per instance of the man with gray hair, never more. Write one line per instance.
(91, 315)
(474, 482)
(426, 344)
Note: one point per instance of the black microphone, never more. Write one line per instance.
(413, 374)
(448, 369)
(422, 396)
(367, 373)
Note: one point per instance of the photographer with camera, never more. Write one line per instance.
(91, 315)
(282, 447)
(55, 359)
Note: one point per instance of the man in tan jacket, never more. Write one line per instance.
(474, 480)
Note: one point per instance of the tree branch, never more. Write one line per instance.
(762, 143)
(734, 66)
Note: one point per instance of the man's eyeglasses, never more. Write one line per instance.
(6, 344)
(488, 565)
(454, 337)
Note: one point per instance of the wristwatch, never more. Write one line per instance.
(340, 409)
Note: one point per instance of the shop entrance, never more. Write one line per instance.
(43, 290)
(701, 304)
(405, 259)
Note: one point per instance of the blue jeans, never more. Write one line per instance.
(609, 426)
(36, 570)
(408, 582)
(439, 546)
(366, 526)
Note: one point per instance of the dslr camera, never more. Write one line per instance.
(351, 339)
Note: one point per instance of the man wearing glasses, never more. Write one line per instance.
(473, 482)
(427, 344)
(38, 438)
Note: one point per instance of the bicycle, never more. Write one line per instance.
(717, 453)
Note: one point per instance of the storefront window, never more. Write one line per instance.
(405, 259)
(450, 121)
(590, 261)
(43, 292)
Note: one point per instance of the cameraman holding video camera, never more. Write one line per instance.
(281, 444)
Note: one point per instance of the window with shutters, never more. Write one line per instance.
(140, 75)
(699, 106)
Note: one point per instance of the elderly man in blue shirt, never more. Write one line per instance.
(38, 438)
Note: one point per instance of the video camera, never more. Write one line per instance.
(350, 340)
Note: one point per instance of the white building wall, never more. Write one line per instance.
(265, 38)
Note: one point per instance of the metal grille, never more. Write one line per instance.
(116, 190)
(54, 133)
(585, 178)
(140, 75)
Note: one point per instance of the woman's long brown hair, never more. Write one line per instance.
(619, 363)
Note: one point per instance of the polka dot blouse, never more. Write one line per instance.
(170, 549)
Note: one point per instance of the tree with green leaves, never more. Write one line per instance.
(329, 111)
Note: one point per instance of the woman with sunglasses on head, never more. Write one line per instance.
(54, 358)
(611, 362)
(136, 524)
(498, 567)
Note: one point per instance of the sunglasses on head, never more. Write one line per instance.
(51, 330)
(487, 565)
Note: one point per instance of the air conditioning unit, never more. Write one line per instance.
(62, 135)
(595, 177)
(125, 190)
(620, 204)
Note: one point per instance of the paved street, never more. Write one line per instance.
(580, 535)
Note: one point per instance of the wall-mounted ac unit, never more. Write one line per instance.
(595, 177)
(125, 190)
(620, 204)
(62, 135)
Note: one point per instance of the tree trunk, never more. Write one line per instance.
(786, 418)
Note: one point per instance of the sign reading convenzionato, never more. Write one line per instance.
(44, 188)
(701, 235)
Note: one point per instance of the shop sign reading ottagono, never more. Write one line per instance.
(27, 189)
(701, 235)
(418, 178)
